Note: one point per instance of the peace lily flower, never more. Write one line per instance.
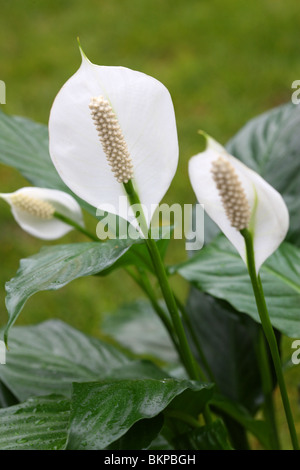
(34, 210)
(109, 126)
(236, 198)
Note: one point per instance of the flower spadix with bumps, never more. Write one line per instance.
(35, 209)
(32, 205)
(236, 198)
(109, 125)
(112, 139)
(233, 196)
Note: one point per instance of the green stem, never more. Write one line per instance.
(195, 339)
(77, 226)
(167, 292)
(269, 333)
(172, 307)
(267, 385)
(163, 281)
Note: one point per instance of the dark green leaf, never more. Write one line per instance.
(138, 328)
(55, 266)
(219, 270)
(38, 424)
(6, 397)
(210, 437)
(270, 145)
(48, 357)
(257, 427)
(103, 412)
(228, 340)
(140, 435)
(138, 369)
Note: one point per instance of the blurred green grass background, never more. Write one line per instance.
(223, 62)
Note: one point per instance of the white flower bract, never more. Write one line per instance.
(34, 210)
(268, 214)
(145, 114)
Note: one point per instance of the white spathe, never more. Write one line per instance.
(46, 229)
(269, 221)
(145, 112)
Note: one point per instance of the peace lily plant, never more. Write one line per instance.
(254, 217)
(112, 135)
(134, 156)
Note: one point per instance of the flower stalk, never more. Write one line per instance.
(269, 333)
(118, 157)
(238, 212)
(115, 148)
(75, 225)
(186, 354)
(267, 385)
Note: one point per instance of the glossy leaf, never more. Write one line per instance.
(137, 327)
(210, 437)
(48, 357)
(104, 411)
(37, 424)
(140, 435)
(228, 339)
(218, 270)
(55, 266)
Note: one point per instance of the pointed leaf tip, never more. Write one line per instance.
(83, 55)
